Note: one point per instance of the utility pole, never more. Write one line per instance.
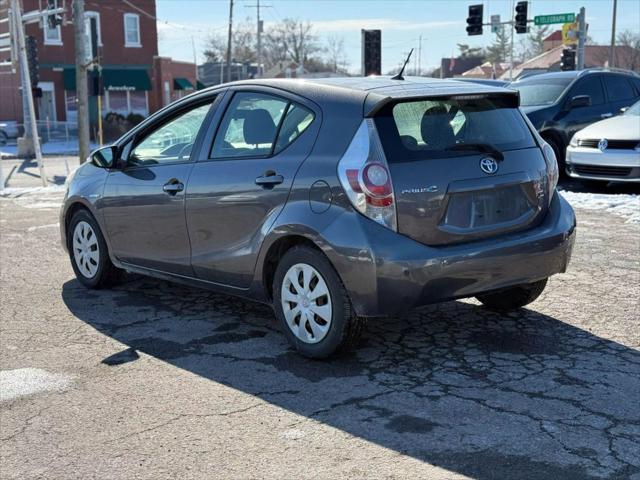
(612, 50)
(582, 37)
(26, 86)
(229, 39)
(513, 28)
(82, 94)
(260, 28)
(420, 55)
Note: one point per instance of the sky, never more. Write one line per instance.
(185, 25)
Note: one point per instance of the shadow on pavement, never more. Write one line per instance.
(521, 396)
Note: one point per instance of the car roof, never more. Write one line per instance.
(373, 91)
(570, 74)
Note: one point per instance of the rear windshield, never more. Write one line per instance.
(540, 91)
(422, 129)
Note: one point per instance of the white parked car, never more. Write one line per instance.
(608, 150)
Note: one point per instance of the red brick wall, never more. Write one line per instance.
(166, 70)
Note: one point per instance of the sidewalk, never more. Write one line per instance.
(24, 174)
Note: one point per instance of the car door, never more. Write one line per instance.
(238, 188)
(620, 93)
(143, 201)
(579, 117)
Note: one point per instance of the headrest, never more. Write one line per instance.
(258, 126)
(435, 128)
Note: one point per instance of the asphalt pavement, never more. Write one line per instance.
(156, 380)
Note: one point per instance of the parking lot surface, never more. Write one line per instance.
(156, 380)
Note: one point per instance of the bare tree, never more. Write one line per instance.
(336, 57)
(535, 40)
(291, 40)
(243, 45)
(629, 57)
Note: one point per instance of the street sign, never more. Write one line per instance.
(495, 23)
(570, 33)
(557, 18)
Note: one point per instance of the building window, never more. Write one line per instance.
(131, 30)
(52, 36)
(87, 23)
(125, 102)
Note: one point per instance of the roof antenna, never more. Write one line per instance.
(399, 76)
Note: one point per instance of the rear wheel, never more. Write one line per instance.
(88, 252)
(513, 297)
(313, 306)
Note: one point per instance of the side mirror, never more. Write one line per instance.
(104, 157)
(580, 101)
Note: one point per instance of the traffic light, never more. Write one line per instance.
(568, 60)
(371, 52)
(474, 20)
(32, 59)
(521, 17)
(53, 20)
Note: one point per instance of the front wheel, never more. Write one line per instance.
(513, 297)
(88, 252)
(313, 306)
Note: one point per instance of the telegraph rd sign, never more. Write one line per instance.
(557, 18)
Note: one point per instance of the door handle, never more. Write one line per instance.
(606, 115)
(173, 186)
(269, 180)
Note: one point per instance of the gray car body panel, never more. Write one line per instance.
(384, 272)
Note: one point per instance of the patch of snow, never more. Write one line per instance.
(623, 205)
(28, 381)
(13, 192)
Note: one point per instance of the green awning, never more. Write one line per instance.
(113, 79)
(200, 85)
(182, 84)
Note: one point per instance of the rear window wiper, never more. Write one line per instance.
(477, 147)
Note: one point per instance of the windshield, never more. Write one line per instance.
(634, 109)
(453, 127)
(540, 91)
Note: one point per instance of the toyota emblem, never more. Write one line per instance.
(488, 165)
(603, 144)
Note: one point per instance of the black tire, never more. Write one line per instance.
(107, 274)
(513, 297)
(345, 329)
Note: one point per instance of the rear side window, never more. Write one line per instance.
(618, 88)
(432, 128)
(592, 86)
(259, 125)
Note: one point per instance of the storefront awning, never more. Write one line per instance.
(113, 79)
(200, 85)
(182, 84)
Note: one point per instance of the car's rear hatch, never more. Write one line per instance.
(463, 167)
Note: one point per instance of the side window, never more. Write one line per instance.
(172, 142)
(296, 121)
(592, 86)
(618, 88)
(249, 126)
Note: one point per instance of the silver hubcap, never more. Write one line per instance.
(85, 249)
(306, 303)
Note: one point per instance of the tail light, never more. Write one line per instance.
(552, 168)
(364, 174)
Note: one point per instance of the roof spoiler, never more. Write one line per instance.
(376, 104)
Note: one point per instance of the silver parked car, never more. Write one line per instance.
(607, 150)
(332, 200)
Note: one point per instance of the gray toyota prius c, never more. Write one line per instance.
(332, 200)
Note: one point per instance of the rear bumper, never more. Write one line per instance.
(403, 273)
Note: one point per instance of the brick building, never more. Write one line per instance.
(134, 77)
